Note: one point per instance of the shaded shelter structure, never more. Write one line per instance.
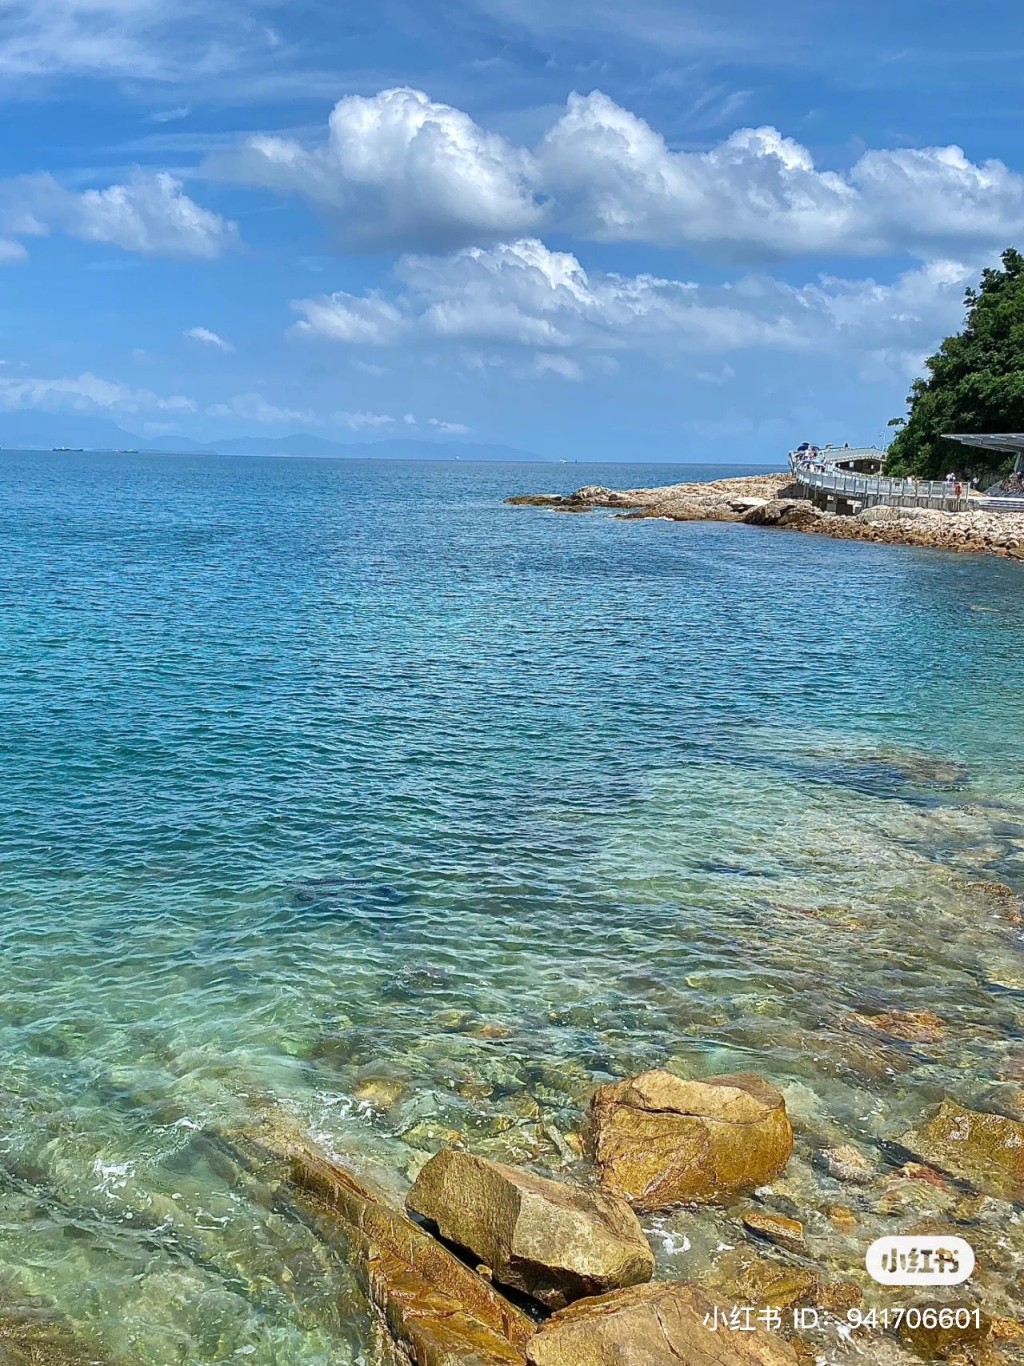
(1000, 443)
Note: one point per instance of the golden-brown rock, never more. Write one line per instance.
(438, 1310)
(912, 1026)
(651, 1325)
(930, 1339)
(661, 1141)
(552, 1241)
(985, 1149)
(774, 1228)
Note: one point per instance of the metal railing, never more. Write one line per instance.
(872, 490)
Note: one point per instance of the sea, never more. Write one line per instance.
(343, 788)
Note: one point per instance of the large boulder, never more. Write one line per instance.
(661, 1141)
(438, 1310)
(667, 1324)
(554, 1242)
(984, 1149)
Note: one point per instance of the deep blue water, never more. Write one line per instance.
(315, 776)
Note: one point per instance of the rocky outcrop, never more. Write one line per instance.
(986, 1150)
(774, 500)
(651, 1325)
(435, 1307)
(661, 1141)
(554, 1242)
(721, 500)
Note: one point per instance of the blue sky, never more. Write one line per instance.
(654, 231)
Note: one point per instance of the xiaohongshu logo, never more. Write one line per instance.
(937, 1260)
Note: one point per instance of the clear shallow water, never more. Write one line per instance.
(342, 783)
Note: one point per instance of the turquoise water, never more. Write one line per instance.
(342, 786)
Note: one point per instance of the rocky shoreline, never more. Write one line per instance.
(493, 1265)
(772, 500)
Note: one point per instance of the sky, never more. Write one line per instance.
(656, 231)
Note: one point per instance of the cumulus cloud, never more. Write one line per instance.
(522, 296)
(614, 178)
(206, 337)
(399, 169)
(149, 214)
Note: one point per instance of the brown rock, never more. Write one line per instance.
(379, 1093)
(937, 1343)
(842, 1218)
(437, 1309)
(985, 1149)
(32, 1334)
(662, 1141)
(775, 1228)
(912, 1026)
(742, 1277)
(846, 1163)
(555, 1242)
(491, 1029)
(651, 1325)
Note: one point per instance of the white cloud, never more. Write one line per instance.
(758, 192)
(163, 40)
(563, 366)
(449, 428)
(12, 251)
(398, 169)
(85, 393)
(357, 422)
(367, 321)
(523, 296)
(171, 115)
(149, 214)
(253, 407)
(206, 337)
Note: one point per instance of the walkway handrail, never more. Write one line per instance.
(874, 489)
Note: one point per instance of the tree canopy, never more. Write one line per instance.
(975, 381)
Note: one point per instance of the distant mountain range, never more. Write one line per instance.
(39, 431)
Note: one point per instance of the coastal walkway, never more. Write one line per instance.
(840, 491)
(830, 487)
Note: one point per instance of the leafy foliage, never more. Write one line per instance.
(975, 384)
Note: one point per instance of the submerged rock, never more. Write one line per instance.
(651, 1325)
(934, 1342)
(985, 1149)
(912, 1026)
(846, 1163)
(32, 1334)
(554, 1242)
(774, 1228)
(662, 1141)
(438, 1310)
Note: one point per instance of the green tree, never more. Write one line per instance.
(975, 382)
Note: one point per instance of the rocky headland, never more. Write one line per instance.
(772, 500)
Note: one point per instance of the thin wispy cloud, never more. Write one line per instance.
(206, 337)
